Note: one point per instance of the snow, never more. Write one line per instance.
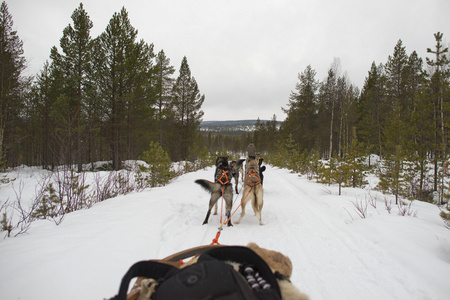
(336, 254)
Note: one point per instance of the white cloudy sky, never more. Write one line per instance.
(246, 54)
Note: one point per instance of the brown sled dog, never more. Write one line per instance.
(253, 190)
(220, 186)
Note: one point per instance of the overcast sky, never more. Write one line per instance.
(246, 54)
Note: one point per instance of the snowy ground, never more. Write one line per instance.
(335, 253)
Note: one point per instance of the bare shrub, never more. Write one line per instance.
(372, 200)
(405, 209)
(387, 205)
(360, 208)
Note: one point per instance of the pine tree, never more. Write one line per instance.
(439, 84)
(347, 97)
(328, 99)
(416, 78)
(422, 143)
(113, 43)
(159, 165)
(124, 80)
(12, 63)
(440, 75)
(391, 174)
(272, 133)
(44, 101)
(395, 130)
(354, 163)
(76, 62)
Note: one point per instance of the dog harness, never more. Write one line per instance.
(252, 173)
(223, 179)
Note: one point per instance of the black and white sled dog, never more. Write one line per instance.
(261, 170)
(237, 167)
(221, 184)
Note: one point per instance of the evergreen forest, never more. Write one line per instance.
(112, 98)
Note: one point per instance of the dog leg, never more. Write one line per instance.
(228, 197)
(215, 209)
(242, 214)
(213, 200)
(207, 217)
(258, 215)
(229, 219)
(244, 202)
(258, 204)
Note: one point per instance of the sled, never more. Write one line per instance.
(176, 260)
(228, 272)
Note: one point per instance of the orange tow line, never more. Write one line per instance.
(215, 240)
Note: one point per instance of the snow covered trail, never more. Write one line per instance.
(326, 254)
(336, 255)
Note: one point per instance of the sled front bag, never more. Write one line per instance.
(211, 277)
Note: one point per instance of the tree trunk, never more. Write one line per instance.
(331, 131)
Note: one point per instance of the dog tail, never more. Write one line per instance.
(240, 163)
(208, 185)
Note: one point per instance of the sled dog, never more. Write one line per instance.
(253, 190)
(221, 185)
(261, 170)
(236, 169)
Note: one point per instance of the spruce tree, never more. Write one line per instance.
(301, 119)
(396, 72)
(186, 111)
(163, 87)
(371, 111)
